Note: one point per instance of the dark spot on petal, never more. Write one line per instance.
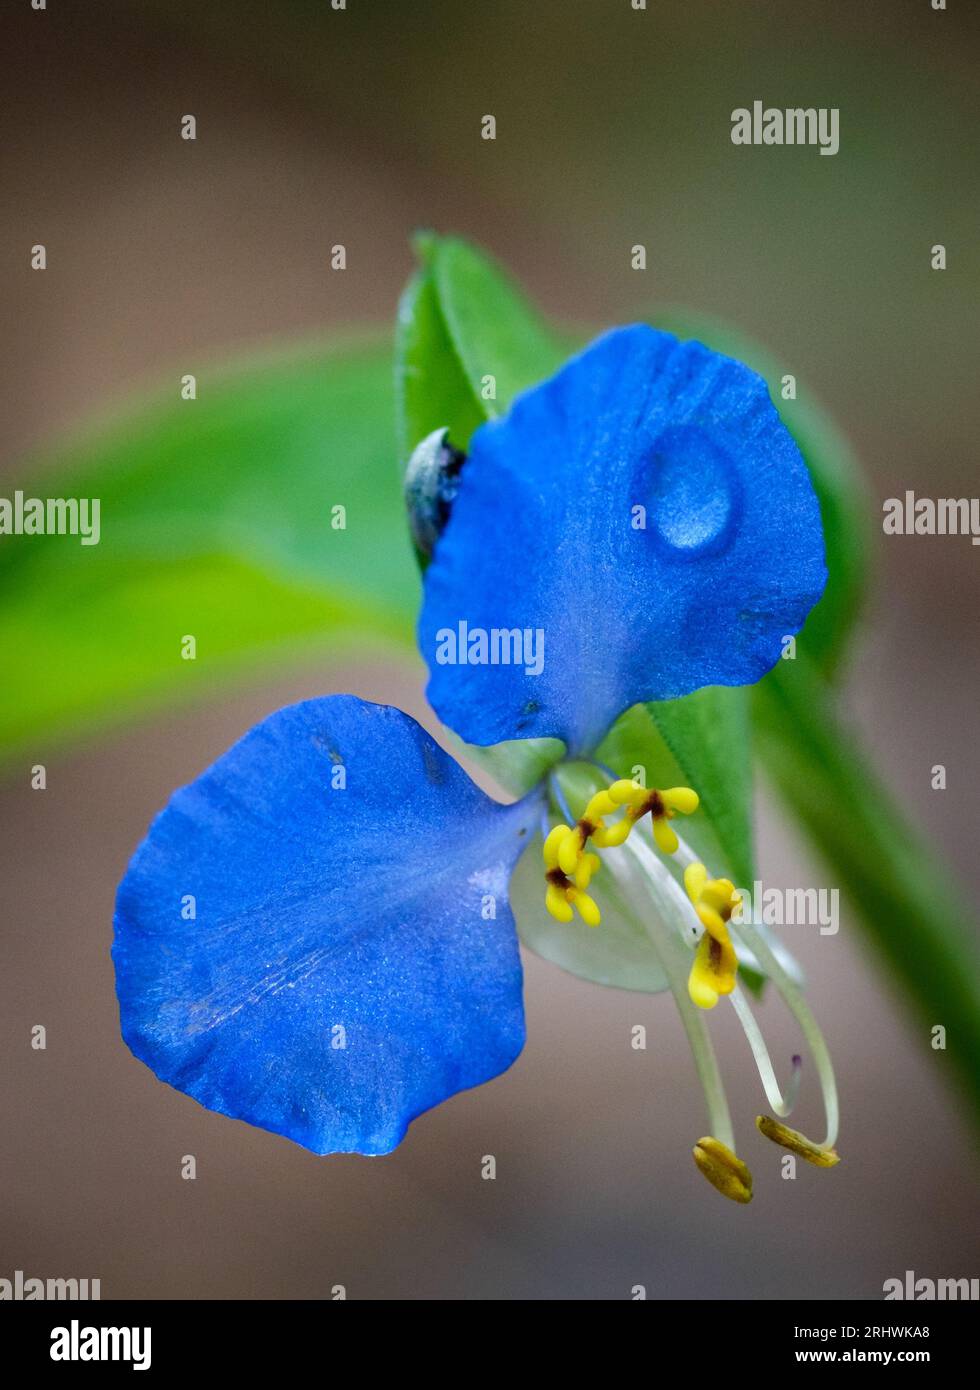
(434, 770)
(332, 752)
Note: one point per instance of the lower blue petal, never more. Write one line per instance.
(341, 971)
(699, 587)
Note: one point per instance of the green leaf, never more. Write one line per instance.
(703, 741)
(217, 522)
(837, 481)
(431, 390)
(494, 330)
(909, 908)
(460, 320)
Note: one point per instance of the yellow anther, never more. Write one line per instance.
(713, 971)
(665, 837)
(715, 962)
(609, 836)
(683, 799)
(560, 895)
(551, 844)
(714, 899)
(587, 866)
(797, 1143)
(626, 792)
(557, 903)
(570, 849)
(588, 909)
(723, 1169)
(695, 877)
(662, 806)
(600, 805)
(570, 864)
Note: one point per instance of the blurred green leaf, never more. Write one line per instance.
(493, 328)
(909, 907)
(216, 521)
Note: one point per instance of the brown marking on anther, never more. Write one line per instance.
(654, 803)
(714, 951)
(557, 878)
(587, 828)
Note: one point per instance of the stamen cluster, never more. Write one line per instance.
(571, 861)
(568, 862)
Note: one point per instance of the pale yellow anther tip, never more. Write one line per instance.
(666, 840)
(610, 836)
(797, 1143)
(625, 791)
(552, 843)
(569, 851)
(695, 877)
(557, 904)
(711, 921)
(702, 994)
(588, 909)
(723, 1169)
(588, 865)
(683, 799)
(601, 805)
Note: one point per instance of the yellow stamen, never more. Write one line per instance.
(695, 877)
(551, 845)
(797, 1143)
(665, 837)
(682, 799)
(609, 836)
(627, 792)
(600, 805)
(715, 962)
(715, 899)
(570, 849)
(723, 1169)
(587, 866)
(588, 908)
(561, 893)
(557, 903)
(663, 807)
(713, 971)
(570, 864)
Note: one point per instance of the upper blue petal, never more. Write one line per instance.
(646, 512)
(343, 971)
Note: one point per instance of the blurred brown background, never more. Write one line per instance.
(316, 126)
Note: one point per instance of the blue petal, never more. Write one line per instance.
(545, 535)
(325, 916)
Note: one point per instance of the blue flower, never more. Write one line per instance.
(647, 512)
(303, 939)
(316, 935)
